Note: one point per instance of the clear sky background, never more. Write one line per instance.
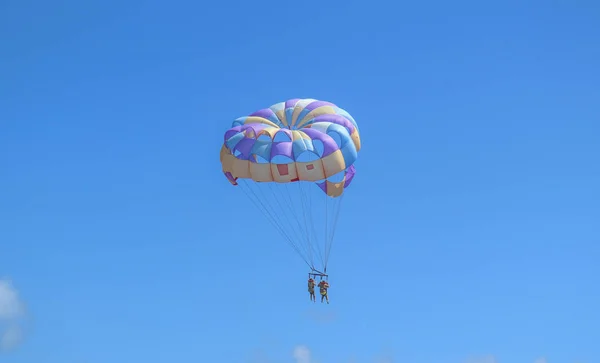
(470, 234)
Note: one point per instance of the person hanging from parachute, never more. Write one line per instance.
(311, 289)
(323, 286)
(296, 142)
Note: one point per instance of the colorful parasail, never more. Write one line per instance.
(284, 157)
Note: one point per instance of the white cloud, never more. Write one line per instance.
(302, 354)
(11, 337)
(11, 306)
(321, 316)
(492, 359)
(483, 359)
(12, 309)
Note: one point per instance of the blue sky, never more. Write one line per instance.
(470, 233)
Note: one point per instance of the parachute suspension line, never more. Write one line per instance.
(268, 208)
(297, 246)
(335, 223)
(297, 219)
(308, 220)
(308, 236)
(258, 202)
(313, 230)
(326, 228)
(276, 192)
(261, 206)
(338, 208)
(275, 214)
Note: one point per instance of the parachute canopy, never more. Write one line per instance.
(299, 141)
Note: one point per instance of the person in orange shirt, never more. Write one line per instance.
(323, 286)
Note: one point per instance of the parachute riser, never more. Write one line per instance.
(318, 273)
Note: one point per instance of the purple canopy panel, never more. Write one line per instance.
(230, 177)
(244, 147)
(264, 113)
(282, 148)
(311, 106)
(232, 131)
(336, 119)
(350, 172)
(329, 145)
(323, 186)
(291, 103)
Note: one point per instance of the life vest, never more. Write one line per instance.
(323, 286)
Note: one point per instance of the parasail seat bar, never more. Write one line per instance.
(314, 273)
